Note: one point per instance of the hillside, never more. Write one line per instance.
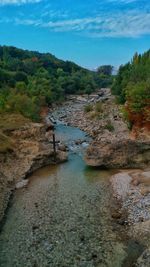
(30, 80)
(132, 87)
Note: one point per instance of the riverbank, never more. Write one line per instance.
(114, 146)
(63, 217)
(27, 149)
(30, 149)
(131, 189)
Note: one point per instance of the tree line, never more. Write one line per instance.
(30, 80)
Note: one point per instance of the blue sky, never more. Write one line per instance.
(88, 32)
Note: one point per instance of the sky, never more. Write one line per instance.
(88, 32)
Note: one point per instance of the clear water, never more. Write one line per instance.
(62, 219)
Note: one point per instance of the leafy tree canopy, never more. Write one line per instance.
(132, 85)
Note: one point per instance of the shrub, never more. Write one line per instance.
(109, 126)
(21, 103)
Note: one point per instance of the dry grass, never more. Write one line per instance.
(12, 121)
(5, 143)
(9, 122)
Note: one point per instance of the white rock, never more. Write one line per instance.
(22, 184)
(121, 185)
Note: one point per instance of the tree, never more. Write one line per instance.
(40, 79)
(105, 69)
(132, 85)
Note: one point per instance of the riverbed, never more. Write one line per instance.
(62, 218)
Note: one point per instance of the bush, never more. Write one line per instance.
(109, 126)
(19, 103)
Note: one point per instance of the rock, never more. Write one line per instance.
(144, 259)
(116, 215)
(146, 174)
(135, 182)
(31, 151)
(121, 184)
(118, 154)
(145, 190)
(78, 142)
(145, 177)
(50, 127)
(61, 157)
(62, 147)
(142, 230)
(22, 184)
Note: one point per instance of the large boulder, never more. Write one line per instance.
(118, 154)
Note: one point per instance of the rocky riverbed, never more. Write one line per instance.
(131, 188)
(112, 147)
(63, 217)
(116, 147)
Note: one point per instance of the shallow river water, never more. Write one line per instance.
(63, 217)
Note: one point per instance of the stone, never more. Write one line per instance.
(121, 184)
(62, 147)
(135, 182)
(116, 215)
(22, 184)
(118, 154)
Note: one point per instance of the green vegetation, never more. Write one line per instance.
(105, 75)
(96, 111)
(30, 80)
(132, 85)
(8, 123)
(109, 126)
(88, 108)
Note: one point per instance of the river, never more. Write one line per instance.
(62, 218)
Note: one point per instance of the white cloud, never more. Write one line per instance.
(131, 24)
(17, 2)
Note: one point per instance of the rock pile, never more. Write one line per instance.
(132, 190)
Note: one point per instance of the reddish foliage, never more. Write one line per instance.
(34, 59)
(139, 119)
(44, 112)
